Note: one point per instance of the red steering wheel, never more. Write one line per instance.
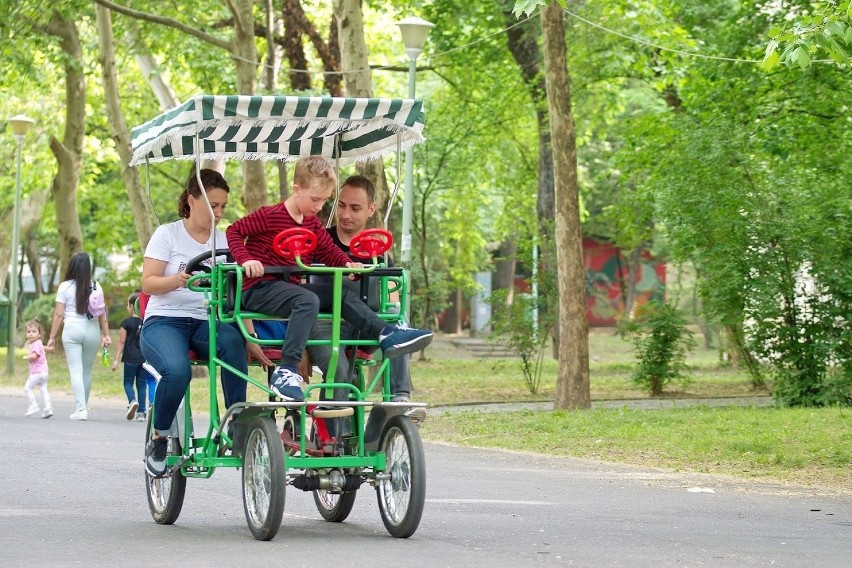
(371, 243)
(294, 242)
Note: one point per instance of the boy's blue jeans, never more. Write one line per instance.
(166, 342)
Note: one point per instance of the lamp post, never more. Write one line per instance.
(20, 125)
(414, 32)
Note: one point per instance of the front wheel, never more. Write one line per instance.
(165, 494)
(401, 490)
(264, 479)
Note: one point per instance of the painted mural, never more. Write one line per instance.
(605, 271)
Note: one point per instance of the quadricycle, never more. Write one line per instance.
(279, 444)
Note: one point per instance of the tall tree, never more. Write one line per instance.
(572, 384)
(242, 49)
(355, 64)
(69, 152)
(143, 213)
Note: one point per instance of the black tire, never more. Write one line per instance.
(334, 507)
(264, 478)
(165, 494)
(291, 425)
(401, 497)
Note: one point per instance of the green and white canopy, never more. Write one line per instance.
(279, 128)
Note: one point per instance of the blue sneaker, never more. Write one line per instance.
(287, 385)
(401, 341)
(155, 457)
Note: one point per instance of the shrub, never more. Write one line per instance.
(659, 334)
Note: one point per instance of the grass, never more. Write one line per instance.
(808, 446)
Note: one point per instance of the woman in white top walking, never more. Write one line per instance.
(82, 334)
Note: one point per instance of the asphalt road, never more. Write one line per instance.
(73, 495)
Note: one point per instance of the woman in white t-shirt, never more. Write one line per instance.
(176, 318)
(82, 335)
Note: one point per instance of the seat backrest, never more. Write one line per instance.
(142, 304)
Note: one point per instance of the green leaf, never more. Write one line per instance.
(800, 56)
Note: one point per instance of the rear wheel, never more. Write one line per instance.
(401, 489)
(165, 494)
(264, 481)
(334, 507)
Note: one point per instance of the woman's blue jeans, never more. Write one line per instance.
(166, 342)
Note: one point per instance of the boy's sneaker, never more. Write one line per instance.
(33, 409)
(400, 398)
(48, 412)
(404, 340)
(287, 384)
(155, 457)
(131, 410)
(140, 417)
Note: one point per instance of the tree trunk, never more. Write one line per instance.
(30, 213)
(245, 52)
(572, 386)
(355, 57)
(293, 47)
(505, 267)
(143, 211)
(523, 44)
(69, 152)
(629, 284)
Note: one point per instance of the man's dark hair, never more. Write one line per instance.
(364, 183)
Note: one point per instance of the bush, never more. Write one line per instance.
(662, 341)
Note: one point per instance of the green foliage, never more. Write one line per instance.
(659, 335)
(819, 29)
(42, 309)
(514, 323)
(527, 7)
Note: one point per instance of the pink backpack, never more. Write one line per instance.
(97, 303)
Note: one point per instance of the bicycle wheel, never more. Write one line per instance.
(334, 507)
(263, 478)
(402, 490)
(165, 494)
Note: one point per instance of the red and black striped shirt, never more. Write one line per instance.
(251, 237)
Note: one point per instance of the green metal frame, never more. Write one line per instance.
(201, 455)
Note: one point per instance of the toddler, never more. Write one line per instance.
(38, 370)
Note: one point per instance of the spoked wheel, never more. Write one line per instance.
(401, 497)
(263, 478)
(334, 507)
(165, 494)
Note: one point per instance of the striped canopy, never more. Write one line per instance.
(279, 128)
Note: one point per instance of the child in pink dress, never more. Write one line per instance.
(38, 371)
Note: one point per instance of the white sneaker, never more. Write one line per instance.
(131, 410)
(33, 409)
(48, 412)
(80, 415)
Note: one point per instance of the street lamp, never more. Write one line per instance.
(20, 125)
(414, 31)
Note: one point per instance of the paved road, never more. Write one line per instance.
(73, 495)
